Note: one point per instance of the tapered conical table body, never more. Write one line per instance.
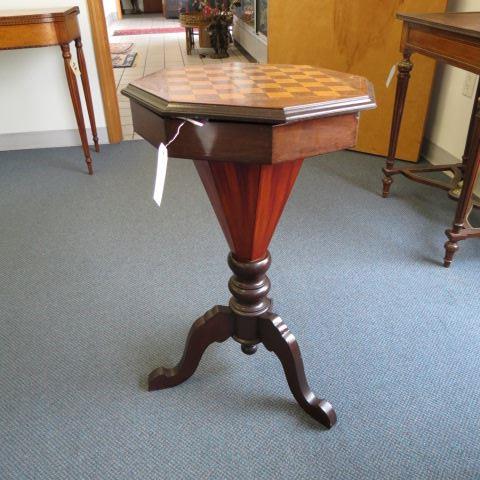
(260, 122)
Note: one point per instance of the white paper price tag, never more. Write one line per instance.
(391, 75)
(162, 161)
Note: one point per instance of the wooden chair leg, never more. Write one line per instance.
(87, 92)
(188, 39)
(470, 174)
(77, 106)
(404, 69)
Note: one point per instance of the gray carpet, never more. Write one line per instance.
(98, 286)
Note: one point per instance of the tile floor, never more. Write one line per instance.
(154, 52)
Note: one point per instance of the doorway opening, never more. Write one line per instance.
(144, 37)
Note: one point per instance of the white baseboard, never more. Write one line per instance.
(47, 139)
(436, 155)
(255, 45)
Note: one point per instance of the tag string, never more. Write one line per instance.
(176, 134)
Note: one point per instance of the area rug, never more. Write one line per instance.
(116, 48)
(148, 31)
(93, 285)
(123, 60)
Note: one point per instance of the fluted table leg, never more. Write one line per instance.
(77, 105)
(403, 77)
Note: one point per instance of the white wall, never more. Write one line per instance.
(450, 112)
(34, 95)
(110, 9)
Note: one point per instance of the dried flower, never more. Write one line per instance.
(215, 7)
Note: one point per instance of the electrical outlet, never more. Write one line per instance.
(469, 85)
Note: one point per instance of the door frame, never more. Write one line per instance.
(106, 78)
(119, 9)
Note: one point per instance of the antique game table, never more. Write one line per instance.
(454, 39)
(47, 27)
(261, 121)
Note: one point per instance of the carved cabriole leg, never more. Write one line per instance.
(404, 69)
(278, 339)
(470, 174)
(86, 91)
(77, 105)
(215, 326)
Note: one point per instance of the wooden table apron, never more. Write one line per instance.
(50, 27)
(452, 38)
(248, 160)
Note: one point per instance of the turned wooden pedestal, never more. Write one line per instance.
(261, 121)
(249, 321)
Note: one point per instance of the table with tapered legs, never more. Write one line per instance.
(260, 122)
(49, 27)
(452, 38)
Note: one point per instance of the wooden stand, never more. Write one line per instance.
(248, 318)
(265, 151)
(204, 38)
(192, 21)
(454, 39)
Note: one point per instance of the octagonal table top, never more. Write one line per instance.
(252, 92)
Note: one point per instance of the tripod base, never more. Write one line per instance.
(221, 323)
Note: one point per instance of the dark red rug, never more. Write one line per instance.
(147, 31)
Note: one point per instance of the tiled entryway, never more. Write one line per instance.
(154, 52)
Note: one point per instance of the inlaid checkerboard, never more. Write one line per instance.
(253, 85)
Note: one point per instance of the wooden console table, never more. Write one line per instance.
(45, 28)
(453, 38)
(261, 121)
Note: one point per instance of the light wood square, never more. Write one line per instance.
(231, 96)
(279, 94)
(298, 90)
(269, 85)
(286, 81)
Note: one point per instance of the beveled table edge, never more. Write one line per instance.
(47, 17)
(420, 20)
(252, 114)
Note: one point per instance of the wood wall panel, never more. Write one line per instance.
(361, 37)
(152, 6)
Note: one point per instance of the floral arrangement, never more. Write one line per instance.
(219, 15)
(212, 8)
(207, 7)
